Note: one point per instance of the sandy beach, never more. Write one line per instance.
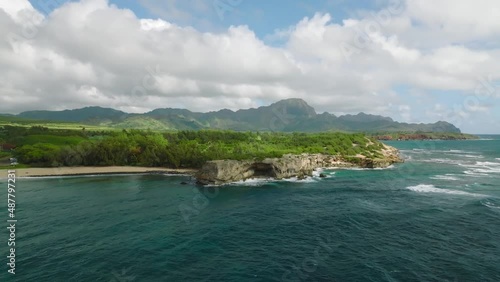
(71, 171)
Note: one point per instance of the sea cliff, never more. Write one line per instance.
(219, 172)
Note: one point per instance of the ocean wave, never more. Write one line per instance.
(365, 168)
(457, 153)
(475, 173)
(252, 182)
(460, 152)
(488, 163)
(263, 181)
(491, 203)
(425, 188)
(317, 172)
(384, 168)
(260, 181)
(327, 174)
(472, 156)
(415, 152)
(482, 168)
(295, 179)
(445, 177)
(444, 161)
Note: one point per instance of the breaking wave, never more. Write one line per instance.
(482, 168)
(491, 203)
(425, 188)
(445, 177)
(444, 161)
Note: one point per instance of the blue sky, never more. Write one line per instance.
(263, 17)
(340, 56)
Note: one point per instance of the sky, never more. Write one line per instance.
(413, 60)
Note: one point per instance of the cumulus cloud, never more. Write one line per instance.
(94, 53)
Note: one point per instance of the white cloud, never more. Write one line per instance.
(93, 53)
(477, 19)
(149, 24)
(21, 11)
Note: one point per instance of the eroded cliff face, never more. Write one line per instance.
(226, 171)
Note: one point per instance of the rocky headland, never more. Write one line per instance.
(219, 172)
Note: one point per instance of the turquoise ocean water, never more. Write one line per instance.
(434, 218)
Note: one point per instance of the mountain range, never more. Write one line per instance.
(290, 115)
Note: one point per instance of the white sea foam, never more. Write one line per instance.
(262, 181)
(364, 168)
(490, 204)
(317, 172)
(482, 168)
(295, 179)
(474, 173)
(488, 163)
(252, 182)
(444, 161)
(425, 188)
(325, 171)
(458, 152)
(445, 177)
(472, 156)
(384, 168)
(416, 151)
(356, 168)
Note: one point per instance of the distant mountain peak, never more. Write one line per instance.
(295, 107)
(287, 115)
(77, 115)
(291, 101)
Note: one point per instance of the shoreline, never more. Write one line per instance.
(38, 172)
(92, 170)
(219, 172)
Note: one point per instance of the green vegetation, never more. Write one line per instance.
(138, 122)
(40, 146)
(290, 115)
(24, 122)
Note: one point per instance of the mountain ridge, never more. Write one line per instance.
(287, 115)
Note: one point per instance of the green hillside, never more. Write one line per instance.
(290, 115)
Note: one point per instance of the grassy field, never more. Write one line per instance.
(50, 139)
(15, 121)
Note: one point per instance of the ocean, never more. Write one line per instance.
(434, 218)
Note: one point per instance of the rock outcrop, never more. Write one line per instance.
(225, 171)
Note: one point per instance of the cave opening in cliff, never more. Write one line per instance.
(263, 170)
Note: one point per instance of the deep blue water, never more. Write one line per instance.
(434, 218)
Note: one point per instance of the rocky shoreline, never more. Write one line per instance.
(220, 172)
